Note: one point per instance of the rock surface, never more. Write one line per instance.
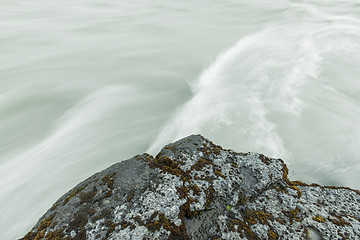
(194, 189)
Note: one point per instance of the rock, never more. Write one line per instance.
(194, 189)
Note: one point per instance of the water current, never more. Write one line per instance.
(85, 84)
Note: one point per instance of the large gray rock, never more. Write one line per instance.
(194, 189)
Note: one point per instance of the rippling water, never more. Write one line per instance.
(84, 84)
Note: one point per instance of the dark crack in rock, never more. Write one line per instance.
(194, 189)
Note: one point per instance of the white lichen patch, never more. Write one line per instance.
(128, 234)
(94, 230)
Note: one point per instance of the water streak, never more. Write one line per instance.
(86, 84)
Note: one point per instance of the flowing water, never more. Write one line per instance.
(85, 84)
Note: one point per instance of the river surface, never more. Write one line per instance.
(85, 84)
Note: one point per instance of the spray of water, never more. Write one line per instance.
(283, 93)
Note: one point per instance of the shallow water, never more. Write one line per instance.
(86, 84)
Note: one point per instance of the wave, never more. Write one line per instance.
(270, 93)
(45, 167)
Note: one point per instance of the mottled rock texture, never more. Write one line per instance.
(194, 189)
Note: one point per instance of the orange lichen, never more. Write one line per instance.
(290, 184)
(254, 216)
(339, 221)
(264, 159)
(72, 194)
(39, 232)
(292, 214)
(55, 235)
(109, 180)
(251, 217)
(272, 235)
(211, 148)
(170, 166)
(196, 190)
(201, 163)
(183, 193)
(54, 206)
(218, 173)
(319, 219)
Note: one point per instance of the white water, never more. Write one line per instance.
(89, 83)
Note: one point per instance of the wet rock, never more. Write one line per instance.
(194, 189)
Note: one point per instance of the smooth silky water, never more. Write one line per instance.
(85, 84)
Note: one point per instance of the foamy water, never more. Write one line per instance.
(86, 84)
